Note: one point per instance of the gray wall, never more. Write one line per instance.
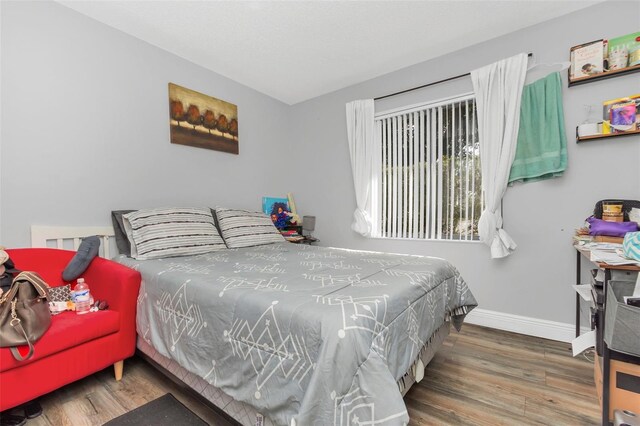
(541, 217)
(85, 127)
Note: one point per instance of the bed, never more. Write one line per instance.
(288, 334)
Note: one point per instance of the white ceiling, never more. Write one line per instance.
(294, 51)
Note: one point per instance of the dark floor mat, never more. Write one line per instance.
(164, 411)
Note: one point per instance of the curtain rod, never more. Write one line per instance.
(428, 84)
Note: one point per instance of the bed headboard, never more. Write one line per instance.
(69, 237)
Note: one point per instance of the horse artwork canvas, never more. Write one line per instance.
(202, 121)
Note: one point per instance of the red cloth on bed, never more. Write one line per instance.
(74, 346)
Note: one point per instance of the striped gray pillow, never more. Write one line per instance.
(167, 232)
(241, 228)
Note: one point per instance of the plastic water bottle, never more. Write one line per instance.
(82, 297)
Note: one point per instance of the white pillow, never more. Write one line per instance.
(167, 232)
(241, 228)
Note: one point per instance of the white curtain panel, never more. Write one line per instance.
(360, 133)
(498, 90)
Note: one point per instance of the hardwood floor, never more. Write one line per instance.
(490, 377)
(481, 376)
(99, 398)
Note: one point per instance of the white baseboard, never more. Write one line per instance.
(553, 330)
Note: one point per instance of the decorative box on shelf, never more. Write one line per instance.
(620, 117)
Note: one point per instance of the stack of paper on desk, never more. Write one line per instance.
(611, 258)
(603, 246)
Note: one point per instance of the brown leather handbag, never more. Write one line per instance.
(24, 313)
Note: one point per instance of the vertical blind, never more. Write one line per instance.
(428, 184)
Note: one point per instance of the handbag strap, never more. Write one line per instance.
(17, 323)
(16, 353)
(36, 280)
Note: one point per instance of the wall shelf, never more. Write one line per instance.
(580, 139)
(603, 76)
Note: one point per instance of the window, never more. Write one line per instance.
(429, 183)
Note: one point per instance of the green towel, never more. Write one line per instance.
(541, 152)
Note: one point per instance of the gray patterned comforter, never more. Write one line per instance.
(307, 335)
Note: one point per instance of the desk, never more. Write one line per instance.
(608, 354)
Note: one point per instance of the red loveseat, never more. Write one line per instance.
(74, 346)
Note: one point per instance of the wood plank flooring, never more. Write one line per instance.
(480, 376)
(489, 377)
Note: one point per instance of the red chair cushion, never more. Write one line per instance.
(67, 330)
